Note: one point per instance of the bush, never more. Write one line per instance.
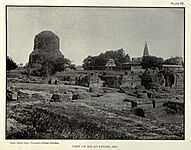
(99, 62)
(11, 65)
(174, 61)
(152, 61)
(49, 67)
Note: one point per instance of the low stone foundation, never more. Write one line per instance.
(175, 107)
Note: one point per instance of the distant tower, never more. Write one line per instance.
(146, 51)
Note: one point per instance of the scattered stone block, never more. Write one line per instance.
(128, 104)
(65, 97)
(11, 123)
(132, 103)
(141, 95)
(80, 95)
(23, 95)
(59, 97)
(69, 94)
(9, 95)
(176, 107)
(37, 96)
(153, 102)
(55, 98)
(96, 91)
(75, 96)
(150, 95)
(110, 90)
(139, 112)
(28, 95)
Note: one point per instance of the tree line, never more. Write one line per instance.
(119, 56)
(91, 62)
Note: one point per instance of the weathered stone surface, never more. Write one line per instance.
(27, 95)
(131, 80)
(130, 103)
(46, 40)
(174, 107)
(96, 91)
(9, 95)
(69, 94)
(58, 97)
(37, 96)
(55, 98)
(139, 112)
(23, 95)
(82, 80)
(46, 50)
(80, 95)
(11, 123)
(53, 80)
(110, 90)
(151, 95)
(112, 81)
(95, 81)
(142, 95)
(66, 97)
(153, 79)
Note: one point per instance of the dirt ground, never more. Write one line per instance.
(103, 117)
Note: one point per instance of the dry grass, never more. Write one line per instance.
(78, 120)
(106, 117)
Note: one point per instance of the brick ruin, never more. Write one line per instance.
(131, 80)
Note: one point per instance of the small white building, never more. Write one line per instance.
(110, 64)
(79, 68)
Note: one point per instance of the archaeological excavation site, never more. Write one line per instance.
(111, 95)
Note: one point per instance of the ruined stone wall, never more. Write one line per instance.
(91, 80)
(82, 80)
(179, 80)
(131, 80)
(95, 81)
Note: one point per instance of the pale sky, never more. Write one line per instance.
(90, 31)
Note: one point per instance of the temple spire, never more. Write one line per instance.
(146, 51)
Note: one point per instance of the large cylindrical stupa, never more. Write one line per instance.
(46, 49)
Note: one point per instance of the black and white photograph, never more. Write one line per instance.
(95, 73)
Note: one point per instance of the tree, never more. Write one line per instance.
(11, 65)
(174, 61)
(60, 64)
(87, 62)
(127, 58)
(91, 62)
(72, 66)
(152, 61)
(49, 67)
(146, 80)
